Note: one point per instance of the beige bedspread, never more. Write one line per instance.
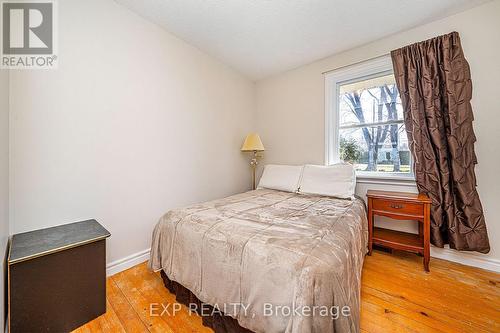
(275, 261)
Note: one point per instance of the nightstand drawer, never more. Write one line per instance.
(397, 207)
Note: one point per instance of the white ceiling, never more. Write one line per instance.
(263, 37)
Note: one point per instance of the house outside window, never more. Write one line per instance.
(364, 120)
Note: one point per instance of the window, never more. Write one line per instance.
(364, 120)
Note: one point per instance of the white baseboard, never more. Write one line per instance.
(469, 259)
(466, 258)
(127, 262)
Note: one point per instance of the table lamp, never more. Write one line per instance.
(253, 144)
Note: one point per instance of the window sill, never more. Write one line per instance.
(386, 180)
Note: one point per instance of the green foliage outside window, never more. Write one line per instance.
(349, 150)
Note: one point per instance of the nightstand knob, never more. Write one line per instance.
(396, 206)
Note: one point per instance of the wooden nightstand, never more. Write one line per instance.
(400, 206)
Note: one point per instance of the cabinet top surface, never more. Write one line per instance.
(37, 243)
(403, 196)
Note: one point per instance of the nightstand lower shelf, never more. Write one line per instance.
(398, 240)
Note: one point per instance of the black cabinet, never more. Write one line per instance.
(57, 277)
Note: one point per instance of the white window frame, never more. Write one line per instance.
(333, 80)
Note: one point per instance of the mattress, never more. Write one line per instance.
(275, 261)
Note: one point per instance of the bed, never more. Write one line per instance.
(272, 261)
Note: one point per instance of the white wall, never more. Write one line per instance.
(4, 185)
(290, 109)
(133, 123)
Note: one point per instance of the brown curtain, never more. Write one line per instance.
(433, 78)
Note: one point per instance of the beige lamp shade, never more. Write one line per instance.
(252, 143)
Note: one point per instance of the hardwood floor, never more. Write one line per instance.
(397, 296)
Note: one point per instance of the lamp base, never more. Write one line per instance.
(253, 163)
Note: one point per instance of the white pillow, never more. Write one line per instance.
(281, 177)
(338, 180)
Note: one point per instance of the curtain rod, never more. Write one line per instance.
(357, 62)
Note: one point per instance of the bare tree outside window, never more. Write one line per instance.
(371, 117)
